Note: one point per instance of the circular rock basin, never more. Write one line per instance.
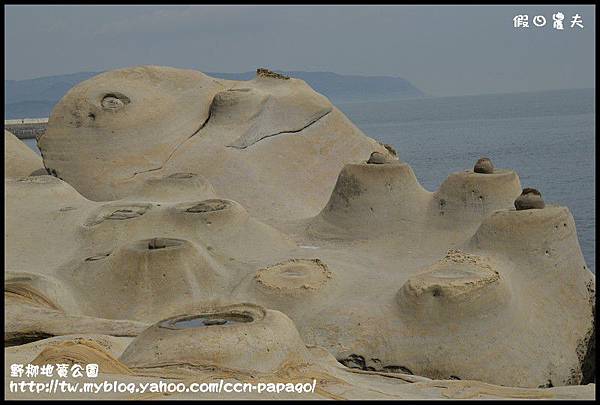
(294, 275)
(161, 243)
(242, 337)
(459, 285)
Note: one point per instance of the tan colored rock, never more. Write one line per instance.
(174, 187)
(112, 132)
(19, 159)
(81, 352)
(396, 288)
(371, 200)
(268, 230)
(377, 158)
(331, 380)
(269, 340)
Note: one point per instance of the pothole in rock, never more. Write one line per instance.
(124, 214)
(117, 213)
(114, 101)
(206, 320)
(209, 206)
(162, 243)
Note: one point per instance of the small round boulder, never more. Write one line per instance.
(377, 158)
(529, 199)
(484, 165)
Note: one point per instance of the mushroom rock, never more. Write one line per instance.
(379, 199)
(199, 235)
(20, 160)
(529, 199)
(105, 264)
(545, 271)
(468, 197)
(370, 199)
(117, 129)
(423, 314)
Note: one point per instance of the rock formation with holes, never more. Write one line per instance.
(200, 227)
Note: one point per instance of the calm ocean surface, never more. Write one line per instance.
(548, 138)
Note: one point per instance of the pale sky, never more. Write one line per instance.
(443, 50)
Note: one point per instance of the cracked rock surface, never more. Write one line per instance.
(110, 133)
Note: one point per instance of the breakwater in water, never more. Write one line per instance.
(27, 128)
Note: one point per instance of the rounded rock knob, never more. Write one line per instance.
(530, 198)
(484, 165)
(377, 158)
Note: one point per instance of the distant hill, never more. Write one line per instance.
(345, 88)
(36, 97)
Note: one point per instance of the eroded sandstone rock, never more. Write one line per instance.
(265, 225)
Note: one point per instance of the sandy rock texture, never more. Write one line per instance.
(196, 228)
(272, 144)
(20, 160)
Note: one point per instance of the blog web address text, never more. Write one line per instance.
(57, 386)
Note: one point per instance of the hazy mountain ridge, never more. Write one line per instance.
(36, 97)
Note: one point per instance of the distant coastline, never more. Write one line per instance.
(36, 97)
